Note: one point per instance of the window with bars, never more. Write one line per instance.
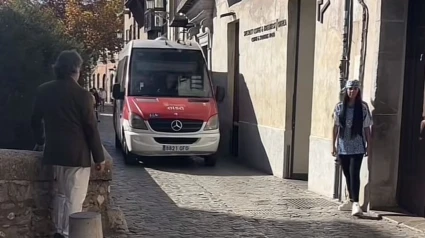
(138, 32)
(134, 29)
(131, 33)
(104, 81)
(97, 81)
(156, 5)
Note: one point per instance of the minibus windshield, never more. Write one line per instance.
(169, 73)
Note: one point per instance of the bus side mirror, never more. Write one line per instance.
(116, 92)
(220, 93)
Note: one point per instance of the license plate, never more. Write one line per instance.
(175, 148)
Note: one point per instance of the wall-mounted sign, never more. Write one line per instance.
(261, 29)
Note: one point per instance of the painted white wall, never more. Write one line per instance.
(262, 81)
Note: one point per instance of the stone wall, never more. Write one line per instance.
(26, 189)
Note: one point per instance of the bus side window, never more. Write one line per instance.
(124, 74)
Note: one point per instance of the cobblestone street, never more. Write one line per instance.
(182, 198)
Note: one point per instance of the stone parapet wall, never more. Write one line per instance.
(26, 196)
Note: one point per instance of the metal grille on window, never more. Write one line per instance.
(131, 33)
(160, 4)
(138, 31)
(159, 19)
(134, 29)
(98, 81)
(104, 81)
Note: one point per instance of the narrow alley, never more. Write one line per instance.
(182, 198)
(303, 100)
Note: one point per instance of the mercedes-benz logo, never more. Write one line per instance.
(176, 125)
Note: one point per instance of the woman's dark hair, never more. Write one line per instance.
(67, 64)
(357, 127)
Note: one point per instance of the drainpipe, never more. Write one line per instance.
(209, 34)
(365, 29)
(208, 28)
(344, 72)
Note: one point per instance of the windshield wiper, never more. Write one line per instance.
(192, 96)
(144, 95)
(198, 100)
(171, 96)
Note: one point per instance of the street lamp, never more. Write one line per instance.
(112, 70)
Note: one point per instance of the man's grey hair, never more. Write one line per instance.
(67, 64)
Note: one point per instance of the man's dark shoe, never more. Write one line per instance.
(57, 235)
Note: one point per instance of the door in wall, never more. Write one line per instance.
(303, 89)
(411, 183)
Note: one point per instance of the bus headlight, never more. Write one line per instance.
(137, 122)
(212, 123)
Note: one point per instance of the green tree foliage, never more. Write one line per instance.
(32, 34)
(58, 7)
(30, 40)
(94, 23)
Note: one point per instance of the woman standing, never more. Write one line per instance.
(351, 141)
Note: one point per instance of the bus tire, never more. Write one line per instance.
(129, 158)
(210, 160)
(117, 143)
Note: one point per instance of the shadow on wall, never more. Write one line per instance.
(251, 150)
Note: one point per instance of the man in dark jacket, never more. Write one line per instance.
(69, 136)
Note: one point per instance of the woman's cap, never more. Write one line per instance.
(352, 84)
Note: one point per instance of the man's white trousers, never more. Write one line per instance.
(71, 184)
